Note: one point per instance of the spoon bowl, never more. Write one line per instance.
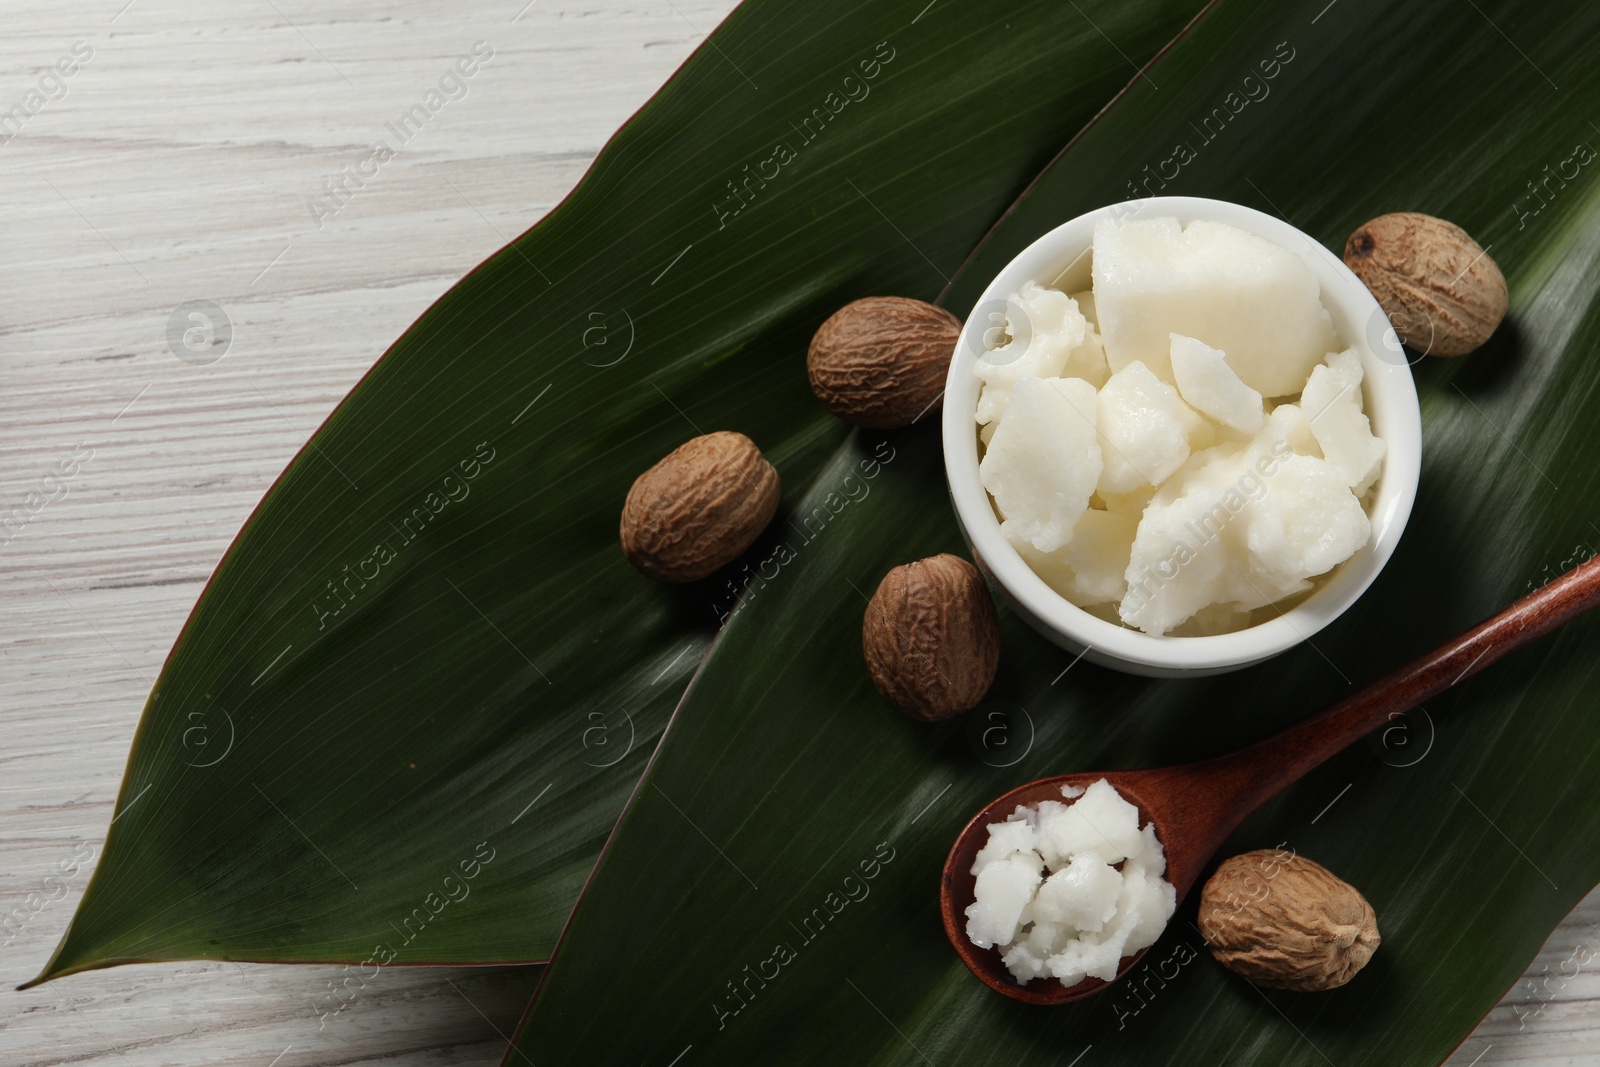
(1189, 806)
(958, 885)
(1195, 807)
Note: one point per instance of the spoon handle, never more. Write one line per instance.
(1260, 772)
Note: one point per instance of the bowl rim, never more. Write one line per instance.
(1392, 406)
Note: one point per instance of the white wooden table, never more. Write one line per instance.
(181, 161)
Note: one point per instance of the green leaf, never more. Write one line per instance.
(341, 727)
(775, 930)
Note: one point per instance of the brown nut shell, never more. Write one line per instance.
(1284, 922)
(931, 637)
(699, 508)
(881, 361)
(1443, 294)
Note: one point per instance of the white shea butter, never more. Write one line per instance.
(1332, 403)
(1042, 464)
(1066, 889)
(1043, 331)
(1243, 295)
(1185, 443)
(1144, 429)
(1209, 385)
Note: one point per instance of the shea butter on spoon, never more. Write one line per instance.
(1187, 812)
(1065, 889)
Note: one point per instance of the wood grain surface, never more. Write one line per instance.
(183, 169)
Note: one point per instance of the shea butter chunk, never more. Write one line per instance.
(1305, 524)
(1042, 464)
(1332, 403)
(1144, 430)
(1044, 327)
(1184, 556)
(1208, 384)
(1089, 568)
(1084, 894)
(1256, 302)
(1004, 888)
(1099, 823)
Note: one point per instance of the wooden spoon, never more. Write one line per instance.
(1197, 805)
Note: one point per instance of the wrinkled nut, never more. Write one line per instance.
(881, 362)
(697, 509)
(1443, 294)
(931, 637)
(1284, 922)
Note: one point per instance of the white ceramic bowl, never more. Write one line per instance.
(1061, 258)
